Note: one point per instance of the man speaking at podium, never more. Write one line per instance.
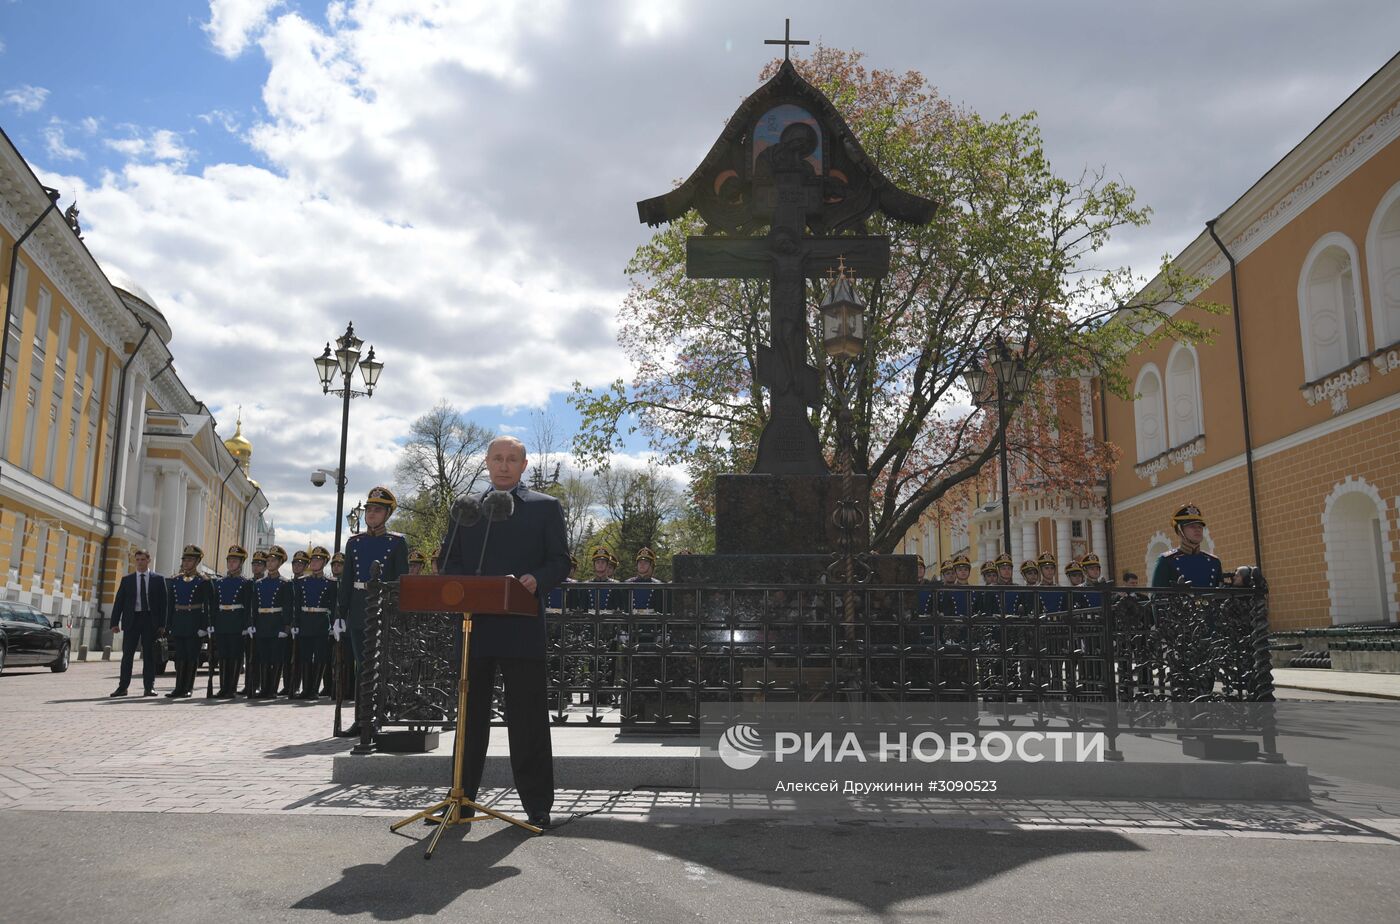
(531, 545)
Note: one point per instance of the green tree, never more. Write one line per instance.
(1013, 251)
(443, 458)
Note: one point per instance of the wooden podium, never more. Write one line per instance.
(445, 593)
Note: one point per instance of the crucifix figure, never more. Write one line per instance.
(779, 192)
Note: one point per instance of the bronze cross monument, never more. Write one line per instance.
(779, 192)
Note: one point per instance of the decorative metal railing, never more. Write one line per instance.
(652, 656)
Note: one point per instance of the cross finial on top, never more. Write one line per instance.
(841, 266)
(787, 41)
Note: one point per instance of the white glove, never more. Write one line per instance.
(210, 630)
(338, 629)
(295, 631)
(281, 634)
(248, 631)
(201, 633)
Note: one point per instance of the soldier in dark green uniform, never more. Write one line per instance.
(362, 551)
(271, 622)
(234, 594)
(189, 619)
(1188, 563)
(253, 670)
(311, 623)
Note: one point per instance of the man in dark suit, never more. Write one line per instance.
(140, 609)
(532, 545)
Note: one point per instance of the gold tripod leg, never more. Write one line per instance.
(457, 798)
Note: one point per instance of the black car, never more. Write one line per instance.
(28, 639)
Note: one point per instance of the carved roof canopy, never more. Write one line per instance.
(784, 119)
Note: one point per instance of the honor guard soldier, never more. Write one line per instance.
(1050, 601)
(1074, 571)
(945, 572)
(602, 574)
(923, 603)
(291, 660)
(311, 623)
(1188, 563)
(1087, 599)
(1024, 603)
(417, 563)
(271, 622)
(557, 595)
(363, 550)
(1093, 569)
(190, 619)
(252, 670)
(347, 665)
(1006, 574)
(988, 601)
(955, 600)
(648, 598)
(234, 596)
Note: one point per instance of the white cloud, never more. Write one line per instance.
(233, 24)
(160, 145)
(25, 98)
(57, 146)
(458, 178)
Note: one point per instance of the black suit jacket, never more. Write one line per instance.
(533, 541)
(124, 606)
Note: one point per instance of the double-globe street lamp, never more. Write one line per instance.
(1012, 381)
(344, 360)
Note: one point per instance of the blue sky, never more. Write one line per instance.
(459, 178)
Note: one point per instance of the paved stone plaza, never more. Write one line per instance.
(69, 747)
(84, 777)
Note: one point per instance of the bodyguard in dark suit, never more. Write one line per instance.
(139, 610)
(532, 545)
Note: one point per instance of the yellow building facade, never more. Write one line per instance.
(102, 447)
(1315, 371)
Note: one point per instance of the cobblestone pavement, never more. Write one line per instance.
(67, 746)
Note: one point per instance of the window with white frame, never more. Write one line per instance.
(1184, 417)
(1148, 414)
(1329, 307)
(1383, 261)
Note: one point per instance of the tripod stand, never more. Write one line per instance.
(429, 592)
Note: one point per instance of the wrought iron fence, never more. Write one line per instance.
(650, 657)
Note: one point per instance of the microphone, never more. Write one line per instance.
(496, 507)
(466, 511)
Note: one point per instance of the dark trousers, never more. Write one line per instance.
(142, 632)
(251, 669)
(291, 662)
(527, 723)
(269, 663)
(230, 649)
(185, 650)
(313, 652)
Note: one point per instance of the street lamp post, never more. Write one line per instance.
(843, 336)
(354, 517)
(343, 361)
(1012, 380)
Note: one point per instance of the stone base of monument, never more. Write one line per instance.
(782, 569)
(600, 759)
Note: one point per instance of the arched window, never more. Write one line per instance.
(1356, 543)
(1383, 260)
(1148, 414)
(1184, 417)
(1329, 307)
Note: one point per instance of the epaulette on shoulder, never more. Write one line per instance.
(1171, 553)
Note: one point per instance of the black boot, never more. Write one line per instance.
(179, 681)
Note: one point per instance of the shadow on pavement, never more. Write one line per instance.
(856, 863)
(408, 886)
